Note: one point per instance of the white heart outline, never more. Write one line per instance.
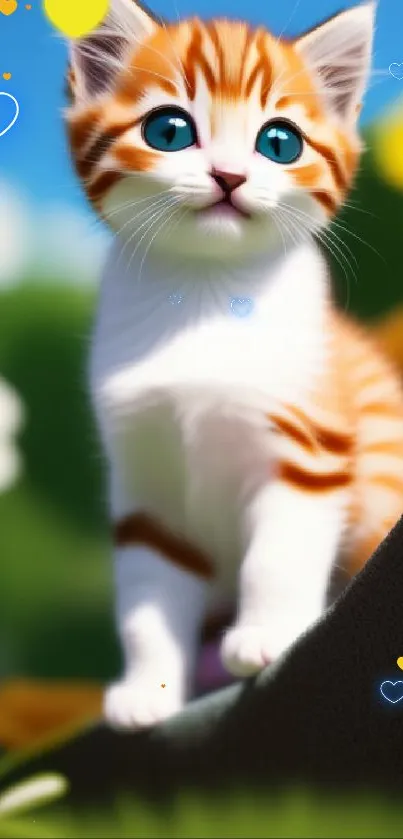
(17, 111)
(396, 64)
(389, 682)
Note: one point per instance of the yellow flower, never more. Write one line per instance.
(388, 147)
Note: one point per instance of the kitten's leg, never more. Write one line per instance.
(159, 611)
(292, 544)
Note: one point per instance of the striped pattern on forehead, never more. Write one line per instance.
(156, 63)
(231, 57)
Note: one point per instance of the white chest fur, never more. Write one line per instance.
(182, 389)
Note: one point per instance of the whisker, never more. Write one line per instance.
(330, 234)
(156, 216)
(284, 29)
(157, 232)
(154, 205)
(294, 230)
(127, 205)
(181, 65)
(346, 229)
(316, 67)
(277, 222)
(324, 236)
(160, 54)
(157, 75)
(166, 200)
(312, 223)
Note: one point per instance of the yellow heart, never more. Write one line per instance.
(75, 18)
(400, 662)
(6, 76)
(8, 7)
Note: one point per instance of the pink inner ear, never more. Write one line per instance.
(335, 80)
(90, 60)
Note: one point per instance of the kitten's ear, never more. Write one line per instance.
(98, 57)
(339, 51)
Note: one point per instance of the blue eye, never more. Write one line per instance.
(280, 142)
(169, 129)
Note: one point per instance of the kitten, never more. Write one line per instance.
(253, 433)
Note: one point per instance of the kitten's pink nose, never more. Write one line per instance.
(227, 181)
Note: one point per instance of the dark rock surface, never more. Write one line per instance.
(316, 717)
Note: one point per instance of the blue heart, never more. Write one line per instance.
(242, 306)
(392, 691)
(8, 113)
(396, 70)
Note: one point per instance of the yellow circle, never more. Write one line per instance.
(400, 662)
(76, 18)
(388, 149)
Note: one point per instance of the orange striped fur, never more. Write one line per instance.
(352, 437)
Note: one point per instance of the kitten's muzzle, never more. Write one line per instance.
(228, 183)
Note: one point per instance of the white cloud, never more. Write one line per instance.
(56, 242)
(69, 245)
(15, 235)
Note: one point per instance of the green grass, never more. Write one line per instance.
(293, 814)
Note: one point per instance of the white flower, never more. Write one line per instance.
(11, 419)
(32, 792)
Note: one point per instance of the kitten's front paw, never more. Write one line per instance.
(138, 703)
(246, 650)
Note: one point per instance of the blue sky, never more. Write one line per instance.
(33, 155)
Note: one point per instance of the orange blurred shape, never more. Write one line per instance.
(32, 710)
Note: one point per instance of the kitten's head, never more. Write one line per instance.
(213, 137)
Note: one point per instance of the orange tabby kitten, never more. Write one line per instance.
(253, 433)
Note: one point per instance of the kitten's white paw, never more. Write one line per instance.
(246, 650)
(139, 703)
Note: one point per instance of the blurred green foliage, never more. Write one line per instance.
(371, 227)
(296, 814)
(55, 588)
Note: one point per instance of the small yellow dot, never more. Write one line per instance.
(400, 662)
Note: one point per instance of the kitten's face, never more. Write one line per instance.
(214, 140)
